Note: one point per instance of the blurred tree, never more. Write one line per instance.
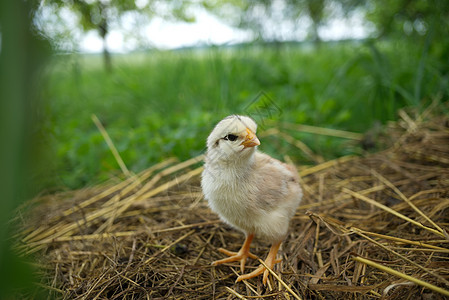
(425, 24)
(94, 15)
(277, 20)
(315, 10)
(269, 18)
(408, 17)
(101, 16)
(413, 19)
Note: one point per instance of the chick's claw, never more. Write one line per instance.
(255, 273)
(232, 253)
(270, 261)
(261, 269)
(241, 256)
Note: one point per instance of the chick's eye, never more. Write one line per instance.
(230, 137)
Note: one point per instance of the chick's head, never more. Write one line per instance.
(233, 138)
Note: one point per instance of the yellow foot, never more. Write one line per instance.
(241, 256)
(270, 262)
(261, 269)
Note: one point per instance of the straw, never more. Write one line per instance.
(402, 275)
(153, 236)
(111, 146)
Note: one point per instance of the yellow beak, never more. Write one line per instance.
(250, 140)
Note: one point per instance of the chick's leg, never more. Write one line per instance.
(270, 261)
(242, 255)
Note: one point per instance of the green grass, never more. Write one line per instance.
(162, 104)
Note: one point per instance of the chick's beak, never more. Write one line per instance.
(250, 140)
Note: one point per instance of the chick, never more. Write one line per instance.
(249, 190)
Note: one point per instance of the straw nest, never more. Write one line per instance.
(368, 228)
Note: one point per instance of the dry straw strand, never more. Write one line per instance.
(235, 293)
(402, 257)
(323, 131)
(403, 197)
(402, 275)
(396, 239)
(111, 146)
(392, 211)
(280, 280)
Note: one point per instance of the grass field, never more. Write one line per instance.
(161, 104)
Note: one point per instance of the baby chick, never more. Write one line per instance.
(249, 190)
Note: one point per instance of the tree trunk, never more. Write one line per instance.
(103, 30)
(316, 10)
(106, 57)
(315, 35)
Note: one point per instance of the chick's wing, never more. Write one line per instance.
(277, 182)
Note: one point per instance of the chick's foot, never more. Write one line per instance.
(270, 262)
(241, 256)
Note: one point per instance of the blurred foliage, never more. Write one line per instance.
(161, 104)
(22, 55)
(269, 19)
(281, 20)
(415, 20)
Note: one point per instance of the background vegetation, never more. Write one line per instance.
(160, 104)
(156, 104)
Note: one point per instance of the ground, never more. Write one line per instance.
(153, 236)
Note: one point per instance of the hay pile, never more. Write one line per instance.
(368, 228)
